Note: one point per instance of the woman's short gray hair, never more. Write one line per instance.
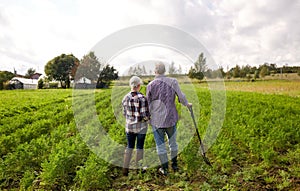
(160, 68)
(135, 81)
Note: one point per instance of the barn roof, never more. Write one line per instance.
(25, 80)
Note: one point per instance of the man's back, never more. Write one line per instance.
(161, 94)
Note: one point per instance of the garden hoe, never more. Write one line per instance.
(201, 144)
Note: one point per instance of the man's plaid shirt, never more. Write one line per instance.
(136, 112)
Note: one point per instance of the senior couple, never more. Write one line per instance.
(157, 107)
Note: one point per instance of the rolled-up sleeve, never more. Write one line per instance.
(181, 97)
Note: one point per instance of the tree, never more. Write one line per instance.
(4, 77)
(236, 71)
(263, 72)
(221, 70)
(144, 70)
(219, 73)
(172, 69)
(199, 68)
(137, 70)
(89, 67)
(62, 68)
(107, 74)
(273, 68)
(253, 70)
(130, 71)
(245, 71)
(208, 73)
(40, 84)
(179, 69)
(200, 64)
(256, 74)
(265, 68)
(194, 74)
(30, 72)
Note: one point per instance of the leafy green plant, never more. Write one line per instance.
(93, 174)
(60, 168)
(258, 147)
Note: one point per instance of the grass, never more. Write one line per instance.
(257, 149)
(279, 87)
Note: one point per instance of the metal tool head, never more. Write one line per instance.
(206, 160)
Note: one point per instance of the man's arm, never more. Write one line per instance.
(144, 110)
(181, 97)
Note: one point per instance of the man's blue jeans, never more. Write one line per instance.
(139, 137)
(159, 136)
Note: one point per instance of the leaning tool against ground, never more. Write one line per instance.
(161, 94)
(136, 112)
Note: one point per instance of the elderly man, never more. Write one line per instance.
(161, 93)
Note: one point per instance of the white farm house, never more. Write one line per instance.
(24, 83)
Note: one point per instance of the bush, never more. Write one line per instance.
(103, 85)
(53, 85)
(7, 86)
(40, 84)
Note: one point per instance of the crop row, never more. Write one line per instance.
(51, 143)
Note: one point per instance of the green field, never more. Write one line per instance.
(257, 149)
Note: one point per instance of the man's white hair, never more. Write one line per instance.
(160, 68)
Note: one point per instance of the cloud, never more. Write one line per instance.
(147, 56)
(233, 31)
(260, 31)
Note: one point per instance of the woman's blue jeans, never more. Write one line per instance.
(159, 136)
(139, 137)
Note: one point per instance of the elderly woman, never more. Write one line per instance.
(136, 112)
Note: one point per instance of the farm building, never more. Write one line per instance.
(23, 83)
(84, 80)
(36, 76)
(84, 83)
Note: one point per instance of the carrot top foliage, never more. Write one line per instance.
(41, 148)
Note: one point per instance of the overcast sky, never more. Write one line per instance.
(241, 32)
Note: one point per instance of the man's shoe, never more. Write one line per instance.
(125, 171)
(175, 168)
(163, 171)
(164, 164)
(144, 169)
(174, 161)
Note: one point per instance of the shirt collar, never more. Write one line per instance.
(160, 76)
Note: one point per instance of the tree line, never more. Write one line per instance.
(263, 70)
(140, 70)
(200, 70)
(66, 67)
